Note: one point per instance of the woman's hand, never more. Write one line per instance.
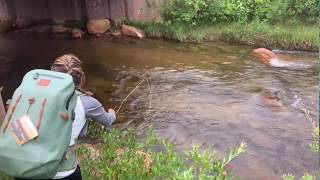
(111, 110)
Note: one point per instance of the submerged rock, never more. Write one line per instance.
(6, 25)
(76, 33)
(59, 29)
(24, 22)
(115, 33)
(58, 21)
(132, 31)
(98, 26)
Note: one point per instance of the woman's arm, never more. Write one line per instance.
(94, 109)
(2, 109)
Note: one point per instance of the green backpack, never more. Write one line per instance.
(36, 132)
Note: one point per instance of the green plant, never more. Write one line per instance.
(75, 24)
(5, 177)
(122, 156)
(306, 176)
(190, 12)
(314, 147)
(197, 12)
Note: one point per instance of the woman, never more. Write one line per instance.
(86, 107)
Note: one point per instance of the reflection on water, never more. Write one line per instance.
(212, 95)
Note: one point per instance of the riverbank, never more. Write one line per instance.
(120, 155)
(289, 37)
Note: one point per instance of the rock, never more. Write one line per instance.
(58, 21)
(6, 25)
(132, 31)
(115, 33)
(76, 33)
(24, 22)
(59, 29)
(42, 29)
(264, 55)
(98, 26)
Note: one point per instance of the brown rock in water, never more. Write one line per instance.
(59, 29)
(58, 21)
(115, 33)
(273, 100)
(6, 25)
(132, 31)
(24, 22)
(98, 26)
(76, 33)
(264, 55)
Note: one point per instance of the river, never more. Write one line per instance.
(213, 95)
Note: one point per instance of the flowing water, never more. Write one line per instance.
(213, 95)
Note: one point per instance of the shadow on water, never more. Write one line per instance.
(212, 95)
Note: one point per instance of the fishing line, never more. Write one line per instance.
(120, 106)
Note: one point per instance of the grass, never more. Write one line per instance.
(294, 37)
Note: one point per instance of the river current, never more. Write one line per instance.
(213, 95)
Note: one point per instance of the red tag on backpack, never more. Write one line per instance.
(44, 82)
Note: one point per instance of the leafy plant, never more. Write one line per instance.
(190, 12)
(306, 176)
(314, 147)
(122, 156)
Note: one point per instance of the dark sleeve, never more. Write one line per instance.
(94, 110)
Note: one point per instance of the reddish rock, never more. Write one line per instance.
(6, 25)
(59, 29)
(76, 33)
(98, 26)
(24, 22)
(115, 33)
(132, 31)
(264, 55)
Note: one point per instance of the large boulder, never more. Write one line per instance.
(132, 31)
(59, 29)
(98, 26)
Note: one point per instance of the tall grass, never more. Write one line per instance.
(286, 36)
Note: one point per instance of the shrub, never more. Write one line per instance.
(122, 156)
(195, 12)
(191, 12)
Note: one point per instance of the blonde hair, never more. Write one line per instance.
(71, 64)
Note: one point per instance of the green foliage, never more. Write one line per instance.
(122, 156)
(315, 142)
(190, 12)
(315, 133)
(5, 177)
(314, 147)
(195, 12)
(293, 10)
(299, 36)
(306, 176)
(75, 24)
